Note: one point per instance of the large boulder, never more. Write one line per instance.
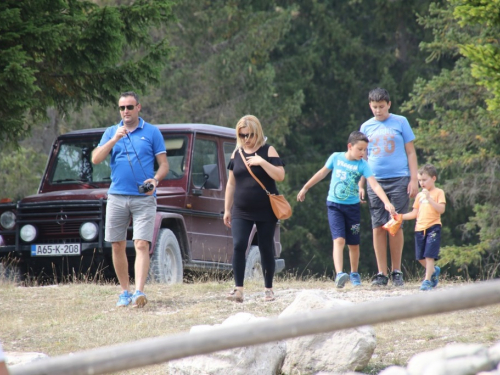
(455, 359)
(339, 351)
(265, 359)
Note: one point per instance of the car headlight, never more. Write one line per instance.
(89, 231)
(8, 220)
(28, 233)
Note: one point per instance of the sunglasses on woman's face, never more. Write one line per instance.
(245, 136)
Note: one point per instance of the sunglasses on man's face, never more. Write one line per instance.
(129, 107)
(245, 136)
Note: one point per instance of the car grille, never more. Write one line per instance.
(59, 222)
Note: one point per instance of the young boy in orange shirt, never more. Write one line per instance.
(428, 207)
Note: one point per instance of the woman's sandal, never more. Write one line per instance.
(235, 295)
(269, 296)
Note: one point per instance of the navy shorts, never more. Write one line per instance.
(396, 190)
(428, 242)
(344, 221)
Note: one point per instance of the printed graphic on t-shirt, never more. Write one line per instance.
(382, 144)
(347, 185)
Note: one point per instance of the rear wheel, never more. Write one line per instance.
(166, 262)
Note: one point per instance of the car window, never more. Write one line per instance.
(205, 164)
(176, 154)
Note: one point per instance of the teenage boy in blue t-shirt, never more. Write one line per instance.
(344, 214)
(393, 161)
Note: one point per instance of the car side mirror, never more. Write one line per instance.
(211, 176)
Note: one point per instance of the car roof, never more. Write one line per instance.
(191, 128)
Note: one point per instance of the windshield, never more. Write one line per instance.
(73, 161)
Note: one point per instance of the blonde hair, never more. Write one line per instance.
(253, 124)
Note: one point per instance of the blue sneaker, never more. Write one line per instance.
(426, 285)
(355, 279)
(341, 279)
(124, 299)
(139, 299)
(435, 276)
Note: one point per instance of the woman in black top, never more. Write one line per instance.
(247, 203)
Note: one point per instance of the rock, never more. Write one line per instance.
(254, 360)
(494, 352)
(394, 370)
(419, 362)
(340, 351)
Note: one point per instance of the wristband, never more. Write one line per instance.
(157, 182)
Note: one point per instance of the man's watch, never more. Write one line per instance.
(157, 182)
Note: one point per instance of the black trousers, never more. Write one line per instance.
(241, 230)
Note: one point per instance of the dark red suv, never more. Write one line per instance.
(60, 230)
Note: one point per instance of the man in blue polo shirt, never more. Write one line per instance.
(134, 145)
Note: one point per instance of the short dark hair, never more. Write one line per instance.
(379, 95)
(130, 93)
(356, 137)
(429, 169)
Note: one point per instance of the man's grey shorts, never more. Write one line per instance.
(121, 208)
(396, 190)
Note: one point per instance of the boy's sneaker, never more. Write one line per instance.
(355, 279)
(341, 279)
(380, 280)
(139, 299)
(426, 285)
(124, 299)
(435, 276)
(397, 278)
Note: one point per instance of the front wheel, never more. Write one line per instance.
(253, 268)
(166, 262)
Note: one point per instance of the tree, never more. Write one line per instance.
(484, 52)
(67, 53)
(221, 68)
(336, 52)
(460, 134)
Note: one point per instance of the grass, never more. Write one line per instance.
(65, 318)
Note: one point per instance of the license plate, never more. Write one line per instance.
(56, 250)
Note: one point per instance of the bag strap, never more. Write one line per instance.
(250, 171)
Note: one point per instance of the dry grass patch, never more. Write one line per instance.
(66, 318)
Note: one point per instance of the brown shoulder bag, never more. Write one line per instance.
(281, 208)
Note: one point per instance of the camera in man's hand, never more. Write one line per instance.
(146, 188)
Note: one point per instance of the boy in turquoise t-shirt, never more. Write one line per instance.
(344, 214)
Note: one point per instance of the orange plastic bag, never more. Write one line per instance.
(393, 225)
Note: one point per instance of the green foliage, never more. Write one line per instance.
(304, 68)
(67, 53)
(222, 69)
(336, 52)
(21, 172)
(484, 50)
(459, 133)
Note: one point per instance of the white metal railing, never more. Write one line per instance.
(163, 349)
